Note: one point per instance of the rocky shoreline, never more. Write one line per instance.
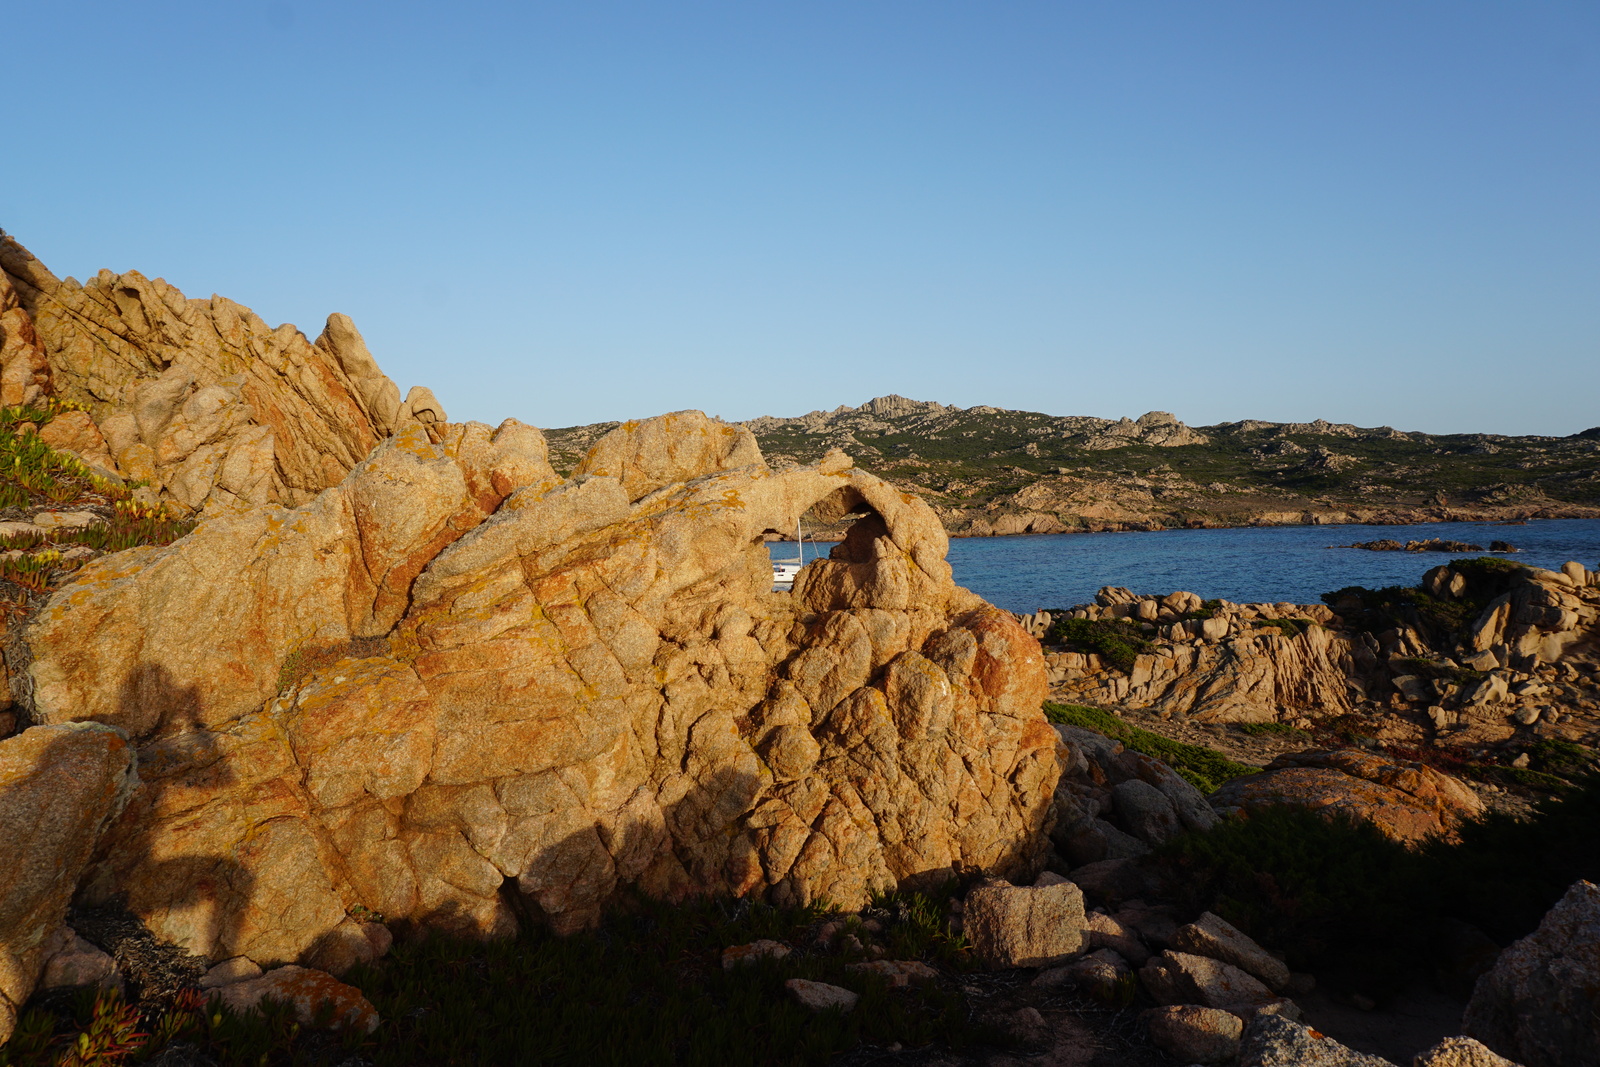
(344, 734)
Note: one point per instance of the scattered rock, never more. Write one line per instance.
(898, 973)
(78, 963)
(1193, 1034)
(1024, 926)
(1540, 1002)
(1274, 1041)
(820, 996)
(307, 991)
(238, 969)
(739, 955)
(1212, 936)
(1112, 880)
(1461, 1052)
(1101, 975)
(1026, 1026)
(1104, 931)
(1182, 978)
(1146, 813)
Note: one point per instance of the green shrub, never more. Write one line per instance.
(1365, 911)
(1116, 641)
(1287, 627)
(1299, 881)
(1377, 610)
(1201, 767)
(646, 988)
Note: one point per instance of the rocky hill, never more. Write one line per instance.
(989, 470)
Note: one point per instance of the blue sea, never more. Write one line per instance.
(1270, 564)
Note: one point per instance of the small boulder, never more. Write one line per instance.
(898, 973)
(820, 996)
(1025, 1026)
(306, 991)
(1182, 978)
(238, 969)
(1155, 924)
(1024, 926)
(1112, 880)
(1540, 1001)
(1193, 1034)
(1212, 936)
(1100, 975)
(1274, 1041)
(1461, 1052)
(1106, 931)
(77, 963)
(1144, 811)
(764, 949)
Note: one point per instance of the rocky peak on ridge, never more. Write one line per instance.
(199, 398)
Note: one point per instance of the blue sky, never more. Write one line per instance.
(1371, 212)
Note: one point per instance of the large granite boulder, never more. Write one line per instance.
(461, 693)
(59, 786)
(1540, 1004)
(1407, 801)
(201, 398)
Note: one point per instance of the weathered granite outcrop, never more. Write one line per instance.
(1225, 662)
(59, 786)
(1540, 1003)
(198, 397)
(1239, 664)
(459, 692)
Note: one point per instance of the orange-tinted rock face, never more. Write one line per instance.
(58, 787)
(1407, 801)
(550, 689)
(201, 398)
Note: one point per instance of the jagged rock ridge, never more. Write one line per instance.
(199, 398)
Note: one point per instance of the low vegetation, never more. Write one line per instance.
(647, 988)
(1201, 767)
(1440, 620)
(35, 477)
(1116, 641)
(1361, 909)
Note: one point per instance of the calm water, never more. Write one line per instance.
(1269, 564)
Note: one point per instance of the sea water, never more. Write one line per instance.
(1271, 564)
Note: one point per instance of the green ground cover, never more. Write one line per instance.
(1201, 767)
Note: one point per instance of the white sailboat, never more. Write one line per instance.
(785, 571)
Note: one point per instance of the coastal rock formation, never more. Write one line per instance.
(1531, 633)
(59, 785)
(200, 398)
(1539, 1004)
(459, 692)
(1240, 663)
(1407, 801)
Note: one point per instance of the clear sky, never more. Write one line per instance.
(1380, 212)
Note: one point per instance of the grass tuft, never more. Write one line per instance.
(1203, 768)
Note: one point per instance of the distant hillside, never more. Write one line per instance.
(993, 471)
